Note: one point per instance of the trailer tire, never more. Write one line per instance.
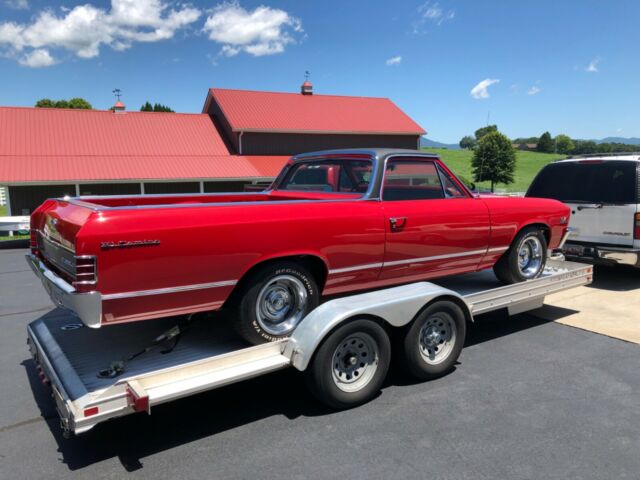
(350, 365)
(525, 258)
(274, 300)
(434, 339)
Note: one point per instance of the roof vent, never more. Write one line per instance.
(119, 106)
(306, 88)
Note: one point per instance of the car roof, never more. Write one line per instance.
(379, 153)
(633, 157)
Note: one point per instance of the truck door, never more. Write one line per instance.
(432, 226)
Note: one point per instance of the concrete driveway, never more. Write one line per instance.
(530, 398)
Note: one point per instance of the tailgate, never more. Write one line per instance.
(602, 224)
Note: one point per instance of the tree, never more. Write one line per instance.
(545, 143)
(80, 103)
(481, 132)
(564, 144)
(157, 107)
(494, 159)
(45, 103)
(75, 102)
(467, 142)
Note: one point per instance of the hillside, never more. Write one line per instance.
(528, 164)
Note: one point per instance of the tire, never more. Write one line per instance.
(274, 300)
(433, 341)
(525, 258)
(335, 377)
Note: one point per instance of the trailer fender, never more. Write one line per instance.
(396, 306)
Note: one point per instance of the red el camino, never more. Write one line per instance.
(332, 222)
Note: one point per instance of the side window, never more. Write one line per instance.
(411, 180)
(451, 190)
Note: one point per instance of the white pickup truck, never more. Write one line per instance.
(603, 192)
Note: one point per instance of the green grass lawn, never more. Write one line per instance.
(528, 164)
(3, 211)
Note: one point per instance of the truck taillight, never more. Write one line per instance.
(86, 270)
(636, 229)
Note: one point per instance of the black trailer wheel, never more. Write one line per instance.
(525, 258)
(350, 365)
(433, 341)
(274, 300)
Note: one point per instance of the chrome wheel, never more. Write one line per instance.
(530, 256)
(355, 362)
(281, 304)
(437, 337)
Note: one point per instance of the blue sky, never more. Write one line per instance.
(564, 66)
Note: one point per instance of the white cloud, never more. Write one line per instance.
(432, 12)
(17, 4)
(394, 60)
(480, 92)
(263, 31)
(85, 28)
(593, 65)
(37, 58)
(533, 90)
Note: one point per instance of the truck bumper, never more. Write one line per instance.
(87, 306)
(603, 255)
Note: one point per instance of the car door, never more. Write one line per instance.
(433, 227)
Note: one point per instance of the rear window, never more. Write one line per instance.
(342, 176)
(605, 182)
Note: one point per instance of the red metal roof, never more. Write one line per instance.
(57, 145)
(293, 112)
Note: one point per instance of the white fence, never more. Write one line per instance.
(3, 196)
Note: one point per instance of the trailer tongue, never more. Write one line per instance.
(70, 357)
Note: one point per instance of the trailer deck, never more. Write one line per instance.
(209, 355)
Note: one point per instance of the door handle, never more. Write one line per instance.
(397, 223)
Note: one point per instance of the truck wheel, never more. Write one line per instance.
(274, 301)
(349, 367)
(525, 258)
(434, 340)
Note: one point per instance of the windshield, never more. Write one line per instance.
(335, 175)
(588, 182)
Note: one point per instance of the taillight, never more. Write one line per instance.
(636, 230)
(86, 270)
(33, 242)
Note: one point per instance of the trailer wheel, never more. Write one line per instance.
(434, 340)
(274, 301)
(350, 365)
(525, 258)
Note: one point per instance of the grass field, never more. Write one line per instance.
(3, 211)
(528, 164)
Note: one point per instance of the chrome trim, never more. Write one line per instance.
(161, 291)
(87, 306)
(357, 267)
(416, 260)
(565, 237)
(435, 257)
(631, 257)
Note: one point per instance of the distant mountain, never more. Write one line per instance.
(428, 143)
(627, 141)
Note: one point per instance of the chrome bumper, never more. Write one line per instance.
(87, 306)
(605, 255)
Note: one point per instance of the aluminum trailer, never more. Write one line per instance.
(329, 345)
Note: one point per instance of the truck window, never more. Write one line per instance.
(346, 176)
(411, 180)
(587, 181)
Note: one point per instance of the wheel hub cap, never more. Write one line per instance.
(355, 361)
(281, 305)
(437, 337)
(530, 256)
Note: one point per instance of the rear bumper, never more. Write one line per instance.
(605, 255)
(87, 306)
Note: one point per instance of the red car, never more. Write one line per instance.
(332, 222)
